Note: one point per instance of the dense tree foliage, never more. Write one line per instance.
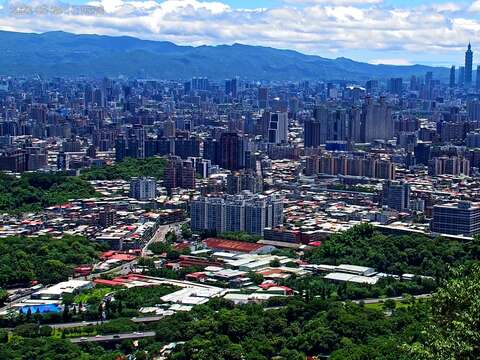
(453, 331)
(43, 258)
(152, 167)
(290, 332)
(315, 286)
(137, 297)
(34, 191)
(240, 236)
(415, 254)
(48, 349)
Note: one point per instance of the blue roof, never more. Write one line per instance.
(42, 309)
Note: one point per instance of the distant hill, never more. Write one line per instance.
(64, 54)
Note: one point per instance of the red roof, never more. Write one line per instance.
(232, 245)
(107, 282)
(181, 246)
(123, 257)
(107, 254)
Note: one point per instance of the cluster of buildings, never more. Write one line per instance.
(236, 213)
(288, 162)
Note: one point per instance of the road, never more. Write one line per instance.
(159, 236)
(76, 324)
(161, 233)
(123, 269)
(397, 298)
(114, 337)
(126, 268)
(140, 319)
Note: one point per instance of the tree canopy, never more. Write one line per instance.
(43, 258)
(34, 191)
(415, 254)
(126, 169)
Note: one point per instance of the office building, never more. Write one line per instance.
(231, 87)
(478, 78)
(396, 196)
(263, 98)
(462, 218)
(277, 131)
(452, 77)
(461, 76)
(395, 86)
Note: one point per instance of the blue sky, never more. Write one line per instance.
(377, 31)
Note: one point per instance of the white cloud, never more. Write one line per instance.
(312, 26)
(335, 2)
(475, 7)
(397, 61)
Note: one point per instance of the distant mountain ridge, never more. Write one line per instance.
(67, 55)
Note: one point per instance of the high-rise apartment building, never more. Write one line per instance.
(244, 212)
(231, 151)
(179, 174)
(378, 120)
(143, 188)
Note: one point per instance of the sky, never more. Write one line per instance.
(398, 32)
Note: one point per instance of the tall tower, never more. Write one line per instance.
(478, 77)
(452, 76)
(468, 66)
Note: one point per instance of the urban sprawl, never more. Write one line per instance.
(176, 194)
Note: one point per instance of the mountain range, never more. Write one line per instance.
(69, 55)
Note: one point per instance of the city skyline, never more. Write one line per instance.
(374, 31)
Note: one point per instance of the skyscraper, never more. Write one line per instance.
(311, 133)
(468, 66)
(378, 120)
(478, 78)
(179, 173)
(231, 151)
(263, 98)
(278, 128)
(395, 86)
(452, 76)
(461, 76)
